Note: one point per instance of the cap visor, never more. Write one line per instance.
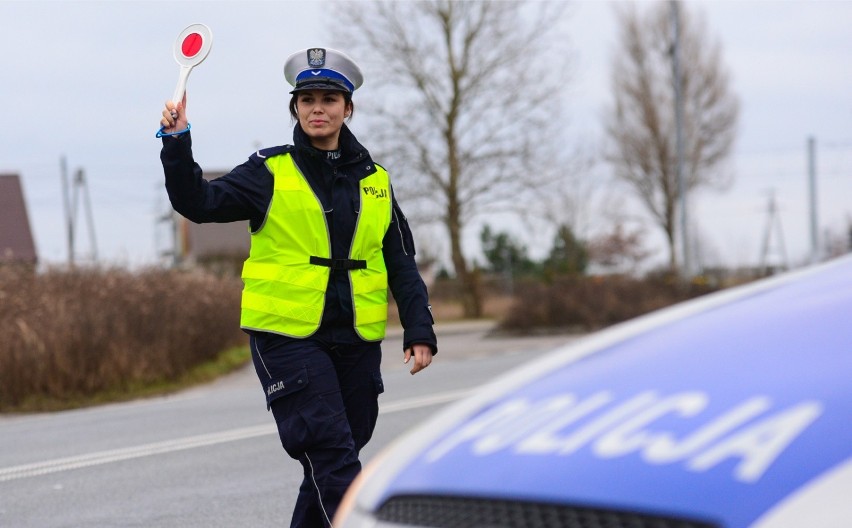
(320, 85)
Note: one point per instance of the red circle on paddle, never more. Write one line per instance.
(191, 45)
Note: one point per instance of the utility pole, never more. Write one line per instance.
(678, 103)
(70, 195)
(81, 183)
(174, 253)
(813, 199)
(772, 221)
(66, 206)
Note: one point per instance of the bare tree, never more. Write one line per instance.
(470, 113)
(620, 250)
(641, 124)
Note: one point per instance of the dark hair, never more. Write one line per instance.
(347, 101)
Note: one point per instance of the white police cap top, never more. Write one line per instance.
(322, 69)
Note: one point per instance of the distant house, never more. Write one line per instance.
(219, 247)
(16, 238)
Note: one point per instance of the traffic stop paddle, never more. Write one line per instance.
(191, 48)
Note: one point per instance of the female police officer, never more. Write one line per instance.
(327, 239)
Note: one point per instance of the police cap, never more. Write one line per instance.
(322, 69)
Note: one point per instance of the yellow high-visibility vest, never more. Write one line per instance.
(286, 275)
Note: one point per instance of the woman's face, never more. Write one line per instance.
(321, 114)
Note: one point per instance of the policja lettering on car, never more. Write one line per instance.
(543, 427)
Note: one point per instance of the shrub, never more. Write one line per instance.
(67, 335)
(577, 303)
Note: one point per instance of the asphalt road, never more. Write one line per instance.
(210, 456)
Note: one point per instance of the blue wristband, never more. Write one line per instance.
(160, 132)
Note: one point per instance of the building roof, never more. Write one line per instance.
(16, 239)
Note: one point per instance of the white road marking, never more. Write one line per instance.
(424, 401)
(117, 455)
(179, 444)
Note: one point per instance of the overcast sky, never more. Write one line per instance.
(87, 80)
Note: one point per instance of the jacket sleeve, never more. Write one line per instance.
(242, 194)
(406, 284)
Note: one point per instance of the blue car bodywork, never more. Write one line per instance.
(732, 410)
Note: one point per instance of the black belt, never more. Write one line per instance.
(339, 264)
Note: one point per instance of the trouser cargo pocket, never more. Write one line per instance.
(289, 383)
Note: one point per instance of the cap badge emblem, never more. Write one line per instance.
(316, 57)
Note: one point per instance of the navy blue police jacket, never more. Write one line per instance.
(245, 194)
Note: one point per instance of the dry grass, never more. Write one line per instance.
(67, 336)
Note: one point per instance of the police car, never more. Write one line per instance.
(728, 411)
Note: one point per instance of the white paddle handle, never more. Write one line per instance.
(181, 85)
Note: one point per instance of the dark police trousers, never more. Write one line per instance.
(324, 398)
